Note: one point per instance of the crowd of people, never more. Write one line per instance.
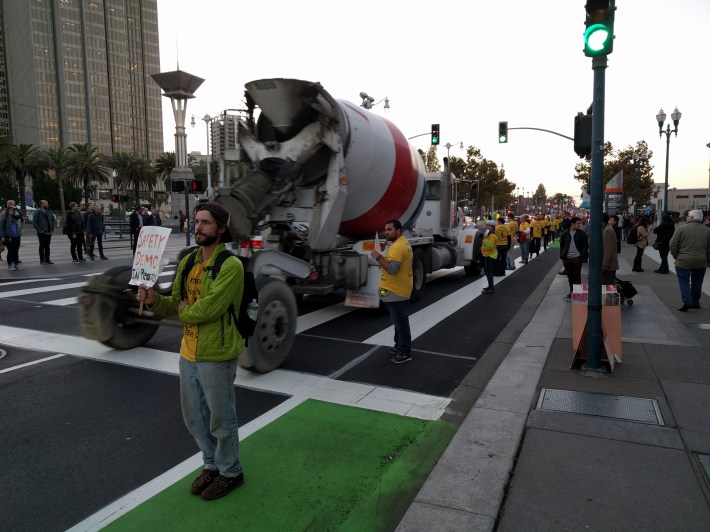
(84, 229)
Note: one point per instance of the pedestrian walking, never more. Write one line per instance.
(74, 229)
(135, 223)
(502, 243)
(524, 238)
(396, 284)
(19, 217)
(536, 226)
(574, 248)
(208, 366)
(489, 250)
(43, 222)
(11, 235)
(95, 227)
(690, 247)
(610, 257)
(181, 219)
(664, 233)
(642, 232)
(512, 237)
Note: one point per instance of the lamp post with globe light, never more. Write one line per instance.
(661, 118)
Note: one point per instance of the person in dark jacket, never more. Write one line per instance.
(43, 222)
(574, 248)
(95, 227)
(664, 233)
(75, 231)
(136, 223)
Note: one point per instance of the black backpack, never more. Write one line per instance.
(245, 324)
(633, 236)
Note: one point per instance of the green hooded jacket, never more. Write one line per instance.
(219, 339)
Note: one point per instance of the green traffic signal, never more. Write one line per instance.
(597, 40)
(502, 132)
(435, 134)
(599, 35)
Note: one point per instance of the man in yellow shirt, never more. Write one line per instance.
(502, 240)
(489, 250)
(512, 234)
(525, 230)
(396, 283)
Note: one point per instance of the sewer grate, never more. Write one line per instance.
(598, 404)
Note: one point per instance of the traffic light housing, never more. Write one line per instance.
(114, 198)
(197, 186)
(435, 135)
(178, 185)
(502, 132)
(583, 135)
(599, 32)
(119, 198)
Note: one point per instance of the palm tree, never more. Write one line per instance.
(163, 167)
(133, 172)
(86, 164)
(57, 161)
(24, 160)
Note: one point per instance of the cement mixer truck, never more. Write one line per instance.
(325, 175)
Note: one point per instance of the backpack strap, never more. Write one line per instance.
(185, 272)
(214, 270)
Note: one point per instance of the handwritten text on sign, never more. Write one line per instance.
(149, 253)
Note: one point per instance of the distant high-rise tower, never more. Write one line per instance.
(78, 71)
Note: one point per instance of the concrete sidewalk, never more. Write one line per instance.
(546, 447)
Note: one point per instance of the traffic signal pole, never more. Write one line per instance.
(187, 216)
(596, 193)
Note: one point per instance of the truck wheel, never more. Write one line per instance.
(419, 275)
(107, 309)
(275, 327)
(473, 269)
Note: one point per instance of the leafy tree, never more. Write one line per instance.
(47, 188)
(8, 189)
(86, 164)
(493, 187)
(540, 196)
(622, 160)
(133, 172)
(431, 161)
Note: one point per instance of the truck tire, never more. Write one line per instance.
(107, 316)
(473, 269)
(275, 327)
(419, 275)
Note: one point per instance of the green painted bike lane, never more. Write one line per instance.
(321, 466)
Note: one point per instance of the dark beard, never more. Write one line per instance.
(207, 240)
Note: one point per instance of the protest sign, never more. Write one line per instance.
(147, 262)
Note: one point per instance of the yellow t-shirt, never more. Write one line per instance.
(512, 228)
(489, 247)
(190, 334)
(501, 235)
(524, 226)
(402, 282)
(537, 226)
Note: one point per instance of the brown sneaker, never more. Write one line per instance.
(221, 486)
(205, 479)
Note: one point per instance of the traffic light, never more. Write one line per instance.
(435, 135)
(119, 198)
(178, 185)
(583, 135)
(599, 35)
(197, 186)
(502, 132)
(114, 198)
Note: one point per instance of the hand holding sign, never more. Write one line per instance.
(147, 262)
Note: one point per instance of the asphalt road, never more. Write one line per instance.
(80, 431)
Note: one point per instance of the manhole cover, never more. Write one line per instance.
(599, 404)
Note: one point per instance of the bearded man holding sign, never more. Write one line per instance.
(210, 346)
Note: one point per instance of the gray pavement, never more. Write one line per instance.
(550, 447)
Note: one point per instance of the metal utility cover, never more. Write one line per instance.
(597, 404)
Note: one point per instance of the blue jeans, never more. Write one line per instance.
(691, 284)
(209, 409)
(525, 250)
(400, 320)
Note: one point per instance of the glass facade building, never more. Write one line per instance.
(78, 71)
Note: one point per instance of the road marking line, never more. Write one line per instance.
(62, 302)
(34, 362)
(29, 291)
(25, 281)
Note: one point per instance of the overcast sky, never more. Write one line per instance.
(465, 64)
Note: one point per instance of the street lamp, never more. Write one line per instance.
(207, 119)
(637, 160)
(368, 102)
(661, 118)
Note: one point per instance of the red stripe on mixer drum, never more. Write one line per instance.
(399, 194)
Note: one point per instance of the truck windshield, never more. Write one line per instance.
(433, 190)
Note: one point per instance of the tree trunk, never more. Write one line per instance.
(61, 196)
